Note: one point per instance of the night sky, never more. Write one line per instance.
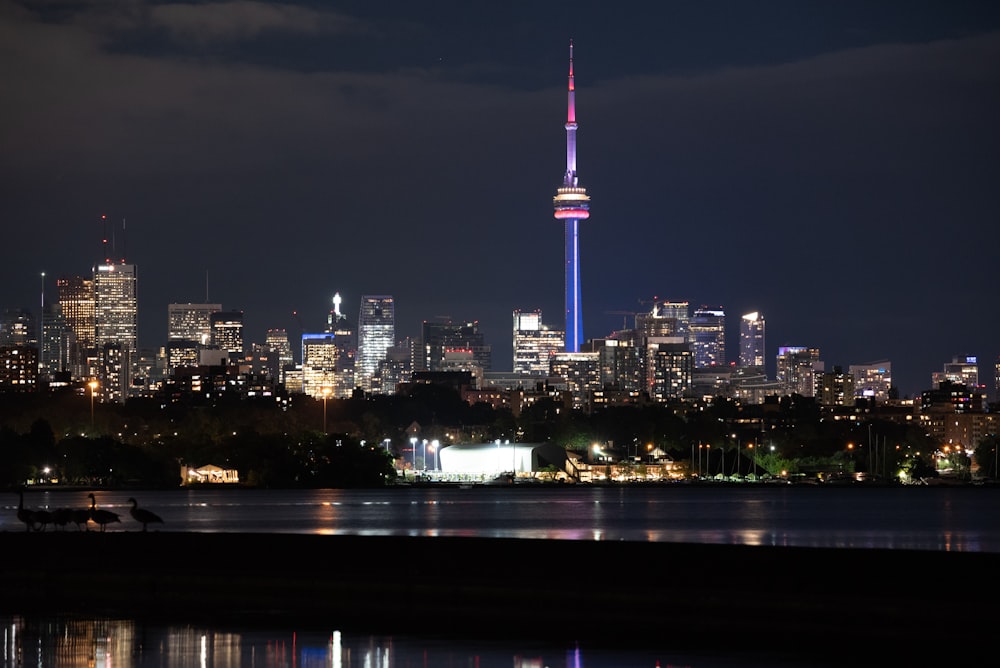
(834, 165)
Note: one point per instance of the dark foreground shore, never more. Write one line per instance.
(613, 593)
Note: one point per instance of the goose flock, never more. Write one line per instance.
(60, 518)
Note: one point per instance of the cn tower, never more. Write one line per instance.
(572, 204)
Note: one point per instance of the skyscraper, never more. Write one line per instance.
(752, 341)
(707, 334)
(116, 326)
(191, 322)
(227, 333)
(440, 338)
(534, 343)
(572, 204)
(376, 334)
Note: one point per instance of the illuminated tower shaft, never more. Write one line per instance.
(571, 206)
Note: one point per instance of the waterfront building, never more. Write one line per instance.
(752, 341)
(707, 334)
(376, 334)
(572, 204)
(534, 343)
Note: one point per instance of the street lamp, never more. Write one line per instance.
(424, 454)
(413, 447)
(93, 391)
(436, 447)
(326, 395)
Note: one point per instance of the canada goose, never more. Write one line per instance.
(25, 515)
(143, 515)
(100, 516)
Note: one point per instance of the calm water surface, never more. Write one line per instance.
(917, 518)
(955, 519)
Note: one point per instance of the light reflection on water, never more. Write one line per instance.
(107, 643)
(956, 519)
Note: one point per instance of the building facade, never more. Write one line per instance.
(752, 341)
(534, 344)
(707, 334)
(376, 334)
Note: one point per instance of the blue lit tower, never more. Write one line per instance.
(571, 206)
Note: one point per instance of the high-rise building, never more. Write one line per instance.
(835, 388)
(227, 333)
(18, 328)
(76, 299)
(752, 341)
(534, 343)
(376, 334)
(670, 370)
(797, 369)
(960, 371)
(319, 365)
(572, 204)
(18, 368)
(53, 356)
(580, 372)
(191, 322)
(277, 341)
(664, 319)
(444, 336)
(707, 334)
(116, 327)
(872, 380)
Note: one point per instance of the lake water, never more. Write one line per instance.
(943, 518)
(912, 518)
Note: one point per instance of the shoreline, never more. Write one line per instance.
(699, 596)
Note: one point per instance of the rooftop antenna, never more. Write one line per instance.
(104, 240)
(206, 286)
(123, 240)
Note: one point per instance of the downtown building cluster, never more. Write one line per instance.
(88, 338)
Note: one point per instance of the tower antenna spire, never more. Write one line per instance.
(572, 204)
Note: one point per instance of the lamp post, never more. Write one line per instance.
(424, 454)
(413, 447)
(326, 395)
(436, 446)
(93, 391)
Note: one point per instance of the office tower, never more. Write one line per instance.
(227, 333)
(191, 322)
(277, 342)
(960, 371)
(664, 319)
(572, 204)
(53, 353)
(376, 334)
(338, 325)
(18, 328)
(534, 344)
(76, 299)
(445, 336)
(621, 366)
(797, 368)
(116, 326)
(872, 380)
(752, 341)
(319, 365)
(707, 334)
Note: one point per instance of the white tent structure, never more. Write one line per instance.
(497, 457)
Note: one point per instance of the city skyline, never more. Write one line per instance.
(829, 165)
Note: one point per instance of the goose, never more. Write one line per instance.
(143, 515)
(80, 517)
(61, 517)
(25, 515)
(100, 516)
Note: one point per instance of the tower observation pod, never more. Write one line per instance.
(572, 204)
